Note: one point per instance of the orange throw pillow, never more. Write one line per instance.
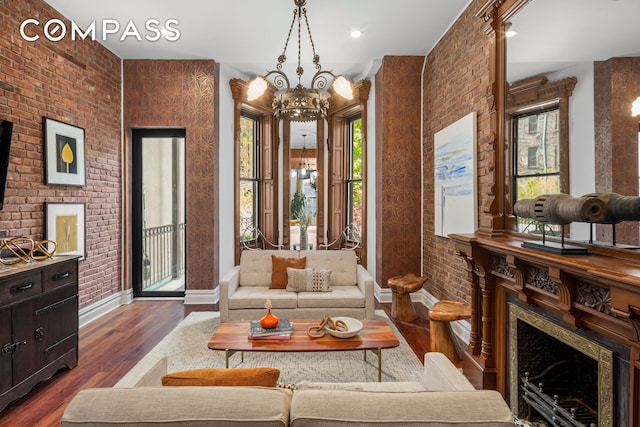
(265, 377)
(279, 270)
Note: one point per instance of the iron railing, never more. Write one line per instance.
(164, 254)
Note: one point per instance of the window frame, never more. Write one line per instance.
(530, 96)
(255, 179)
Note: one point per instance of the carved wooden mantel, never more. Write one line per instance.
(599, 292)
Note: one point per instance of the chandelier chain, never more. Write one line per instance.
(313, 46)
(286, 44)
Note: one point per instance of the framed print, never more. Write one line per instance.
(64, 153)
(65, 225)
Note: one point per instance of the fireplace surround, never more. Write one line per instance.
(596, 296)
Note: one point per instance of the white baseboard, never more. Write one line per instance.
(202, 296)
(92, 312)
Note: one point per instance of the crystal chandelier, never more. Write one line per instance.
(299, 104)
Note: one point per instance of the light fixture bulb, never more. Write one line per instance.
(256, 88)
(343, 87)
(508, 30)
(356, 34)
(635, 107)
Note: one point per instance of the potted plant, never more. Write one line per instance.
(297, 204)
(304, 219)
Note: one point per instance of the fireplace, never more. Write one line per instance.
(557, 375)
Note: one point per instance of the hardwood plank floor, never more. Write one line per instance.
(111, 345)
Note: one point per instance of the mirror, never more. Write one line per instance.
(578, 38)
(303, 186)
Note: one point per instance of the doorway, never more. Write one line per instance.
(158, 212)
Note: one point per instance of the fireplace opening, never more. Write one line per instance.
(557, 377)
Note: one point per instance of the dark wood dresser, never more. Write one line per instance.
(38, 323)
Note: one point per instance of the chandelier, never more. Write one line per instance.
(299, 104)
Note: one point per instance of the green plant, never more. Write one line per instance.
(297, 204)
(305, 220)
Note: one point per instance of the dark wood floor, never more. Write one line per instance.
(111, 345)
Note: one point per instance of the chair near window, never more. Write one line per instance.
(253, 239)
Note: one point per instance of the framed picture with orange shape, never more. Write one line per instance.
(64, 153)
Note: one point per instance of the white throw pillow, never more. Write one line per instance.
(308, 280)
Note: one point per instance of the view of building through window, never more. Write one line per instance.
(536, 161)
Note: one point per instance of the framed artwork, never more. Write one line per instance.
(65, 225)
(455, 192)
(64, 153)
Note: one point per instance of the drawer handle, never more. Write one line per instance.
(61, 276)
(21, 288)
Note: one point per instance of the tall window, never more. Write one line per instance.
(249, 176)
(354, 177)
(536, 160)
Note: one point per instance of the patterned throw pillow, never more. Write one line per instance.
(308, 280)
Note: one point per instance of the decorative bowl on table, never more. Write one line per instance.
(353, 327)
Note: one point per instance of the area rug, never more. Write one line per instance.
(186, 348)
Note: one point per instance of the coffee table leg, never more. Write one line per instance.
(379, 365)
(226, 358)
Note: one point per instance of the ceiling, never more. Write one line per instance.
(554, 35)
(247, 36)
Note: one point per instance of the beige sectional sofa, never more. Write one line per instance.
(443, 398)
(244, 289)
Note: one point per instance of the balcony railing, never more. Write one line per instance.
(164, 255)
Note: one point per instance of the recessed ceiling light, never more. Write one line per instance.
(355, 34)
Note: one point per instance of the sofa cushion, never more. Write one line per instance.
(308, 280)
(255, 266)
(264, 377)
(192, 406)
(343, 265)
(279, 269)
(339, 297)
(256, 296)
(346, 408)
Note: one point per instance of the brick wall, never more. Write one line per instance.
(76, 82)
(456, 80)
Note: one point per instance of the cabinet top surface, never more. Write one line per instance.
(9, 270)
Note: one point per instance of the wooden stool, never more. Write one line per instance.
(401, 288)
(443, 339)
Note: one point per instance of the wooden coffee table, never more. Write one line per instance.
(375, 336)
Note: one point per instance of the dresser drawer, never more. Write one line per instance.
(61, 274)
(20, 287)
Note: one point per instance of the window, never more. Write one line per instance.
(249, 176)
(536, 160)
(354, 177)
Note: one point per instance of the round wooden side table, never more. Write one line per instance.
(401, 288)
(443, 339)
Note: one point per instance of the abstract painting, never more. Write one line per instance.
(455, 194)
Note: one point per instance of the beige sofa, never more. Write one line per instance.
(443, 398)
(244, 289)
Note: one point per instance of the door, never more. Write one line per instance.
(158, 217)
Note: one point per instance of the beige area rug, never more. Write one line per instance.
(186, 348)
